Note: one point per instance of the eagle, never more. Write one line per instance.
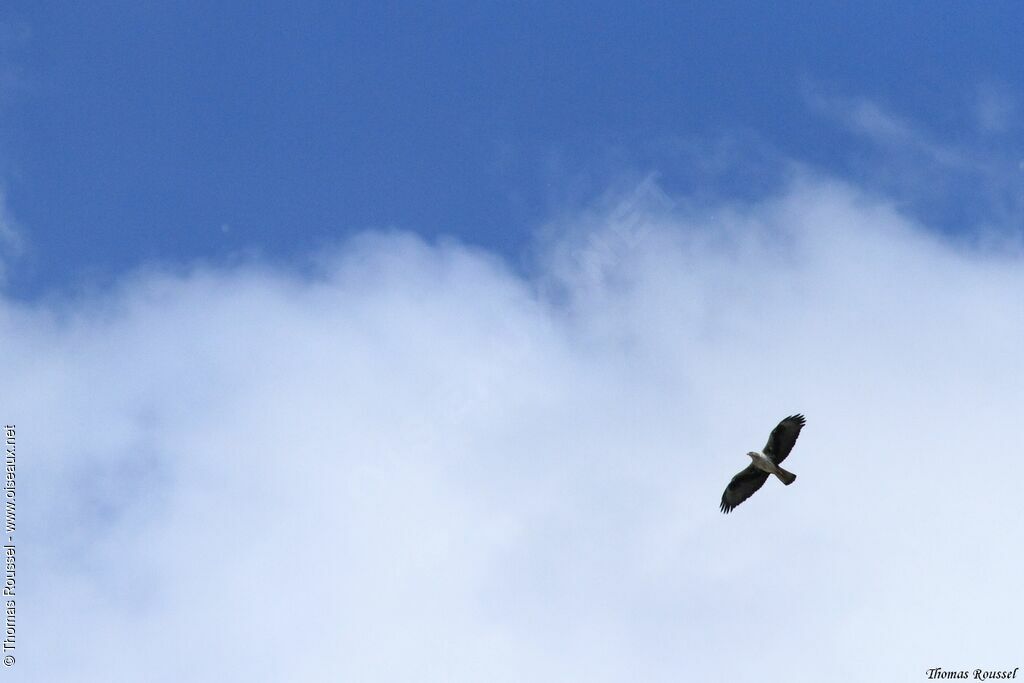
(780, 443)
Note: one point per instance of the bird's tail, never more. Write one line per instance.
(786, 477)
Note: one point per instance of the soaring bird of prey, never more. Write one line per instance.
(780, 443)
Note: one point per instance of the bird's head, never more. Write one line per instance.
(753, 454)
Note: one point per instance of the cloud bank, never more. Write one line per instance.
(418, 464)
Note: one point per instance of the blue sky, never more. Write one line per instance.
(134, 132)
(371, 343)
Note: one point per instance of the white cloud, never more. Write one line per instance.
(419, 465)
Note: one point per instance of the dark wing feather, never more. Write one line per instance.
(742, 486)
(781, 441)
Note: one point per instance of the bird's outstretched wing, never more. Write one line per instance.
(742, 486)
(781, 441)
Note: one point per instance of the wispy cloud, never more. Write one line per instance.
(970, 183)
(14, 36)
(996, 108)
(416, 465)
(11, 244)
(870, 119)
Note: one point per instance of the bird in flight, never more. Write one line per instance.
(780, 443)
